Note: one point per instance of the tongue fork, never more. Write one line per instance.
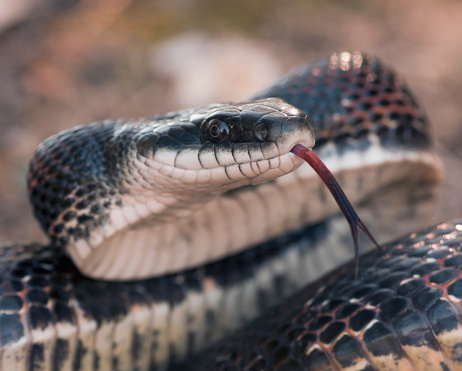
(342, 201)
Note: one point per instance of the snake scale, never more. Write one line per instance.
(182, 196)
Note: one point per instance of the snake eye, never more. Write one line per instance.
(217, 131)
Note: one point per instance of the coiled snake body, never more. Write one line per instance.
(127, 200)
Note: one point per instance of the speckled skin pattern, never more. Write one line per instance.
(403, 312)
(61, 194)
(346, 102)
(54, 318)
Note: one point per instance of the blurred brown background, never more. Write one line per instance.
(69, 62)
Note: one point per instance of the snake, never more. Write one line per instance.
(169, 233)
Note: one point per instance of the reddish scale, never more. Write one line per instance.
(332, 325)
(373, 100)
(441, 280)
(343, 313)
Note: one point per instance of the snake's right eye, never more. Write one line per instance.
(217, 131)
(145, 144)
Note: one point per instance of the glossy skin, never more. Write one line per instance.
(95, 189)
(403, 312)
(54, 318)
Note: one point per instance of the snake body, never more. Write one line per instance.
(403, 312)
(130, 199)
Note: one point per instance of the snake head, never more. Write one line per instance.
(228, 144)
(94, 187)
(264, 121)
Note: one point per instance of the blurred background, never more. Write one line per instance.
(70, 62)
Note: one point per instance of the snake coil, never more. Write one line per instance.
(184, 195)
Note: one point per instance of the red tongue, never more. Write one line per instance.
(334, 188)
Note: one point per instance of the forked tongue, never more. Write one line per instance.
(353, 219)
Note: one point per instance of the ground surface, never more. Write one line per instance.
(64, 63)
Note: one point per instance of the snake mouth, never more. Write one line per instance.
(262, 156)
(227, 144)
(280, 165)
(265, 163)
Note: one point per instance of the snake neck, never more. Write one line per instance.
(121, 196)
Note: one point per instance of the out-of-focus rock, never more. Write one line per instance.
(202, 69)
(15, 11)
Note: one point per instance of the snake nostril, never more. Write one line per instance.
(261, 132)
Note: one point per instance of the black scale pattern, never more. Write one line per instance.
(70, 202)
(351, 97)
(40, 287)
(410, 297)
